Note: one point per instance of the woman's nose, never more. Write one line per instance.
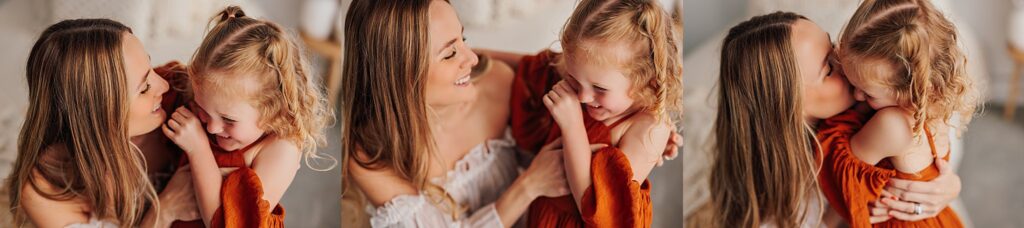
(471, 58)
(858, 95)
(162, 85)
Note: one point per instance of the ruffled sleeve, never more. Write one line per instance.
(530, 120)
(849, 183)
(417, 211)
(614, 199)
(242, 203)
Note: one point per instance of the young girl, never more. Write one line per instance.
(621, 62)
(902, 57)
(253, 95)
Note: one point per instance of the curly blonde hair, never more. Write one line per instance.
(656, 68)
(921, 45)
(291, 104)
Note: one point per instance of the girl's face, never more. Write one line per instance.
(825, 89)
(229, 116)
(451, 61)
(867, 76)
(145, 89)
(600, 81)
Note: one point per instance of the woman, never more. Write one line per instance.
(94, 103)
(420, 139)
(779, 77)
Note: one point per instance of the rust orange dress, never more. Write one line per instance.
(241, 194)
(614, 199)
(851, 184)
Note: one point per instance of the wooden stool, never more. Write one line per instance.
(330, 50)
(1011, 101)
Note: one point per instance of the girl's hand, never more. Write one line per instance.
(901, 197)
(564, 105)
(185, 130)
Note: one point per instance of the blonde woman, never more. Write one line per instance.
(87, 144)
(779, 77)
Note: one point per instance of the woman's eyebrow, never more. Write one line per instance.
(450, 42)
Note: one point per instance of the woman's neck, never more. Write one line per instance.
(449, 115)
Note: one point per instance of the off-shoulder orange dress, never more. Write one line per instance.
(614, 199)
(851, 184)
(241, 194)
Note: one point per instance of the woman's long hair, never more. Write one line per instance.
(75, 136)
(763, 169)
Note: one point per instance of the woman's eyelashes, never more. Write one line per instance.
(146, 89)
(455, 50)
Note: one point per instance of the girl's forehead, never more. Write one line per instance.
(603, 52)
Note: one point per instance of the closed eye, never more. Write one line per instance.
(452, 55)
(146, 89)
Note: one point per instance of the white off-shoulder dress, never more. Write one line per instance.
(479, 178)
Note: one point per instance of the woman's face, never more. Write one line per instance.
(145, 89)
(825, 89)
(451, 60)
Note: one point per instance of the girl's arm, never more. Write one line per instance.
(510, 58)
(887, 134)
(644, 143)
(276, 165)
(185, 130)
(564, 106)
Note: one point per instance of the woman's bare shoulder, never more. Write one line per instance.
(380, 183)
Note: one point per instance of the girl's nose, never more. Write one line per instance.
(585, 96)
(214, 127)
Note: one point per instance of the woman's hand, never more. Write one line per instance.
(546, 174)
(177, 201)
(901, 197)
(185, 130)
(564, 106)
(672, 148)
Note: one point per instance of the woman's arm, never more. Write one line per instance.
(542, 178)
(933, 195)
